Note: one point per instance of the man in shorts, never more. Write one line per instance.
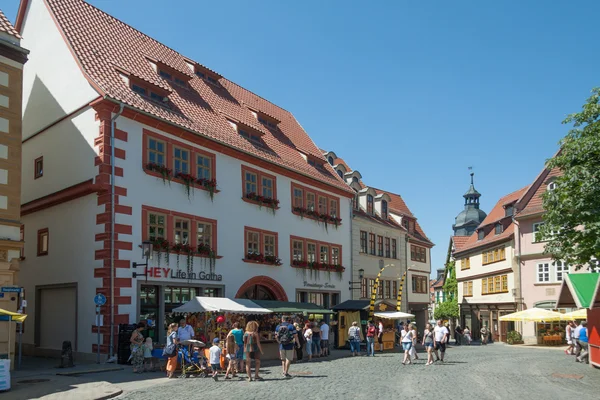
(324, 339)
(287, 337)
(440, 334)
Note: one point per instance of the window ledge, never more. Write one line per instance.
(195, 255)
(494, 262)
(342, 269)
(42, 254)
(259, 203)
(487, 294)
(261, 262)
(315, 218)
(177, 180)
(467, 295)
(547, 283)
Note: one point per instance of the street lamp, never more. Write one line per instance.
(147, 254)
(361, 275)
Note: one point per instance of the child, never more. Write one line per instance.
(215, 358)
(148, 364)
(232, 349)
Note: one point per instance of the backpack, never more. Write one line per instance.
(284, 336)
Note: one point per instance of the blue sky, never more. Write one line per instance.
(409, 93)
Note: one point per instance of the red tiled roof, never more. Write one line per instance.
(535, 203)
(102, 44)
(377, 218)
(6, 26)
(438, 283)
(496, 215)
(459, 242)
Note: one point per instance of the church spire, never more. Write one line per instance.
(472, 196)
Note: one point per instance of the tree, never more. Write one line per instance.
(448, 309)
(572, 218)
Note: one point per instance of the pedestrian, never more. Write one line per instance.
(428, 343)
(316, 342)
(308, 338)
(380, 335)
(441, 335)
(484, 335)
(299, 352)
(583, 343)
(324, 339)
(232, 352)
(170, 350)
(214, 358)
(148, 359)
(576, 334)
(413, 349)
(354, 335)
(137, 348)
(287, 337)
(407, 341)
(569, 337)
(371, 333)
(458, 332)
(238, 334)
(185, 331)
(252, 347)
(467, 333)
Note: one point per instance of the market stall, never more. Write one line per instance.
(389, 318)
(549, 328)
(583, 291)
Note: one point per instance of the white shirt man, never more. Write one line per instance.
(576, 334)
(184, 332)
(440, 334)
(324, 339)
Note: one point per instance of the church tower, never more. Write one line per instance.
(469, 218)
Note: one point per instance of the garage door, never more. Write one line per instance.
(58, 317)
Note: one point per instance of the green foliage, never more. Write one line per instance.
(450, 284)
(572, 218)
(446, 310)
(514, 337)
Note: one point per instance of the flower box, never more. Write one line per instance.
(259, 200)
(312, 214)
(259, 258)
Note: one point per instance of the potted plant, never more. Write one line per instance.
(514, 337)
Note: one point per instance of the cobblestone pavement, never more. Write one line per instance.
(483, 372)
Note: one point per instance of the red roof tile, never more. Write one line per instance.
(6, 26)
(535, 203)
(459, 242)
(496, 215)
(102, 44)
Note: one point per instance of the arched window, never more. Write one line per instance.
(552, 186)
(258, 292)
(340, 173)
(384, 210)
(370, 204)
(330, 159)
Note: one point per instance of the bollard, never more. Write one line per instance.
(66, 355)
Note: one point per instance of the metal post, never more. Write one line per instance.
(98, 334)
(20, 342)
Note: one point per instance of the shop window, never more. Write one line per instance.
(387, 247)
(394, 249)
(43, 238)
(181, 161)
(380, 246)
(372, 243)
(212, 292)
(363, 242)
(38, 168)
(156, 226)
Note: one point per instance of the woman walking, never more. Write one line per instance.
(569, 334)
(252, 347)
(316, 339)
(354, 338)
(371, 331)
(137, 348)
(407, 341)
(467, 333)
(171, 349)
(428, 343)
(308, 337)
(413, 349)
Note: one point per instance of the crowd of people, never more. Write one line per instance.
(577, 338)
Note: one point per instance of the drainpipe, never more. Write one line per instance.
(351, 250)
(112, 229)
(520, 291)
(408, 282)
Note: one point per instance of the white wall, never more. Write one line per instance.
(53, 84)
(68, 152)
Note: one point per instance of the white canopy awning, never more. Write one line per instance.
(221, 304)
(393, 315)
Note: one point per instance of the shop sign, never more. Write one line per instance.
(158, 272)
(325, 285)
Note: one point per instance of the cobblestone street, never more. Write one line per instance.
(493, 372)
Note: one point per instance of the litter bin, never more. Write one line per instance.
(4, 375)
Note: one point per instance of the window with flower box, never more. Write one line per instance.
(166, 158)
(315, 205)
(261, 246)
(319, 255)
(259, 188)
(176, 232)
(372, 243)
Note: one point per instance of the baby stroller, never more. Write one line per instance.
(192, 364)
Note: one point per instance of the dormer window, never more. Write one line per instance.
(552, 186)
(330, 160)
(139, 90)
(248, 133)
(155, 94)
(355, 179)
(405, 223)
(165, 74)
(499, 228)
(509, 210)
(384, 209)
(340, 173)
(156, 97)
(369, 204)
(269, 123)
(480, 234)
(207, 75)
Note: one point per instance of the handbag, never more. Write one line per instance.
(170, 350)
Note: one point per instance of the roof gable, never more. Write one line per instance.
(7, 27)
(103, 43)
(532, 203)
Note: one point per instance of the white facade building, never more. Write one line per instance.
(291, 243)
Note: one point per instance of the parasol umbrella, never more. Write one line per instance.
(14, 317)
(393, 315)
(577, 314)
(532, 315)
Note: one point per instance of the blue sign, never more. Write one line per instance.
(1, 295)
(100, 299)
(11, 290)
